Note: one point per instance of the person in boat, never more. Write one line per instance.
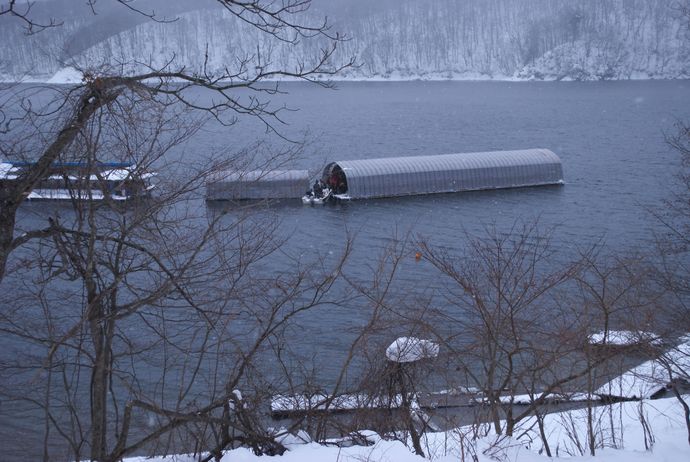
(318, 189)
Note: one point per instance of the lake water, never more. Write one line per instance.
(609, 136)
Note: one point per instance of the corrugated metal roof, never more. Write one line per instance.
(259, 175)
(401, 176)
(257, 184)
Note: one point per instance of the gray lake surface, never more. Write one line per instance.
(610, 137)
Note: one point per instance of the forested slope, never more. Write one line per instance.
(542, 39)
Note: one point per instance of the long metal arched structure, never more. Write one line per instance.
(257, 184)
(402, 176)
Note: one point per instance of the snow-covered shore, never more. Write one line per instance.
(619, 432)
(69, 76)
(645, 430)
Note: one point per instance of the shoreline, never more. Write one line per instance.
(67, 76)
(36, 80)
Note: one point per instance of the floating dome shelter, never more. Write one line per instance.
(404, 176)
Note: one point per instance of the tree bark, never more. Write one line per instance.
(99, 382)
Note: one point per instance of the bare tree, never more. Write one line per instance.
(150, 325)
(614, 290)
(673, 267)
(169, 84)
(22, 12)
(115, 288)
(676, 364)
(501, 290)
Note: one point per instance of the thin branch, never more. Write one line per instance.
(23, 14)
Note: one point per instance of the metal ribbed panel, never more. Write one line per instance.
(255, 184)
(401, 176)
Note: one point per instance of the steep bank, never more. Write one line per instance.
(444, 39)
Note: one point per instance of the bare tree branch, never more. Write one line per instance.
(22, 12)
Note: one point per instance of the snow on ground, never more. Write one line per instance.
(618, 431)
(549, 398)
(633, 431)
(381, 450)
(640, 382)
(72, 76)
(624, 338)
(69, 75)
(66, 75)
(615, 425)
(651, 376)
(288, 403)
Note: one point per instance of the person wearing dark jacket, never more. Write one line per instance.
(318, 189)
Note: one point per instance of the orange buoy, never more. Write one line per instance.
(418, 256)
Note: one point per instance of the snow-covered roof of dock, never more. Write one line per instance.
(624, 338)
(5, 169)
(401, 176)
(260, 175)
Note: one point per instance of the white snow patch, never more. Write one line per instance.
(624, 338)
(410, 349)
(288, 439)
(651, 376)
(66, 75)
(460, 391)
(549, 398)
(5, 169)
(322, 402)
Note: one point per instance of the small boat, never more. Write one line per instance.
(117, 181)
(312, 199)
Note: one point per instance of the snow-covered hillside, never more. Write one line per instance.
(487, 39)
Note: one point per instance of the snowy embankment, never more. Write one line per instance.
(66, 75)
(651, 377)
(70, 75)
(646, 430)
(625, 338)
(618, 428)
